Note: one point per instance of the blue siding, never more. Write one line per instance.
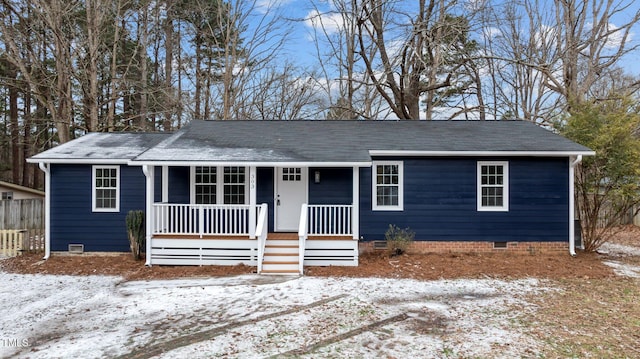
(157, 184)
(335, 187)
(72, 220)
(440, 202)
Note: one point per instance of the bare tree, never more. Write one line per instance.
(350, 92)
(544, 56)
(413, 51)
(284, 94)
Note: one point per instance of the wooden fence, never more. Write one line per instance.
(21, 226)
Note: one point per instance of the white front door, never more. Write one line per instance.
(291, 193)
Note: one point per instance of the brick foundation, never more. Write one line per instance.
(476, 247)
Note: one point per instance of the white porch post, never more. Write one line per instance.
(252, 201)
(149, 174)
(165, 184)
(355, 221)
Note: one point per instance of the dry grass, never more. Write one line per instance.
(597, 318)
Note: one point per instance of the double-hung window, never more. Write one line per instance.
(493, 186)
(234, 185)
(387, 186)
(220, 185)
(206, 189)
(106, 188)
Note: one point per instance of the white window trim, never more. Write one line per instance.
(93, 189)
(505, 186)
(374, 186)
(219, 184)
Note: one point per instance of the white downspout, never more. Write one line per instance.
(149, 174)
(572, 240)
(47, 208)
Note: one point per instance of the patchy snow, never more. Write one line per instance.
(259, 316)
(624, 269)
(621, 251)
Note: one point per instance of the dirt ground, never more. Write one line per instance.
(378, 264)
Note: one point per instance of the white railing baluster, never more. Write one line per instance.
(200, 219)
(330, 220)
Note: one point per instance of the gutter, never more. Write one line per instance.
(572, 240)
(47, 208)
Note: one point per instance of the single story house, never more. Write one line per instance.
(9, 191)
(282, 195)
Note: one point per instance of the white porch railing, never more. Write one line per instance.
(261, 232)
(200, 219)
(330, 220)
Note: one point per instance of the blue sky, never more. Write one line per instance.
(302, 51)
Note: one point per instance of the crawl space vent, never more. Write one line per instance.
(76, 248)
(379, 245)
(500, 245)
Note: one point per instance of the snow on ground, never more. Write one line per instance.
(253, 316)
(621, 251)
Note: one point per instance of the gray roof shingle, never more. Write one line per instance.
(349, 141)
(103, 146)
(312, 141)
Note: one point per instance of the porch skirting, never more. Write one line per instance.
(204, 252)
(232, 250)
(476, 247)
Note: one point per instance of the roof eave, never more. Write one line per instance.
(400, 153)
(18, 187)
(80, 161)
(250, 163)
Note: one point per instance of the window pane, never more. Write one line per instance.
(387, 185)
(106, 184)
(492, 187)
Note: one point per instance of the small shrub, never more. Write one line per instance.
(137, 232)
(398, 240)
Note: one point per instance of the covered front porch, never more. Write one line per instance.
(282, 223)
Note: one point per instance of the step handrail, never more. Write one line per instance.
(302, 236)
(261, 233)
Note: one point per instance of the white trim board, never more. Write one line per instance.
(84, 161)
(402, 153)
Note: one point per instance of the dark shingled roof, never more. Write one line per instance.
(350, 141)
(103, 146)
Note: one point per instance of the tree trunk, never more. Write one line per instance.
(168, 67)
(16, 163)
(94, 16)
